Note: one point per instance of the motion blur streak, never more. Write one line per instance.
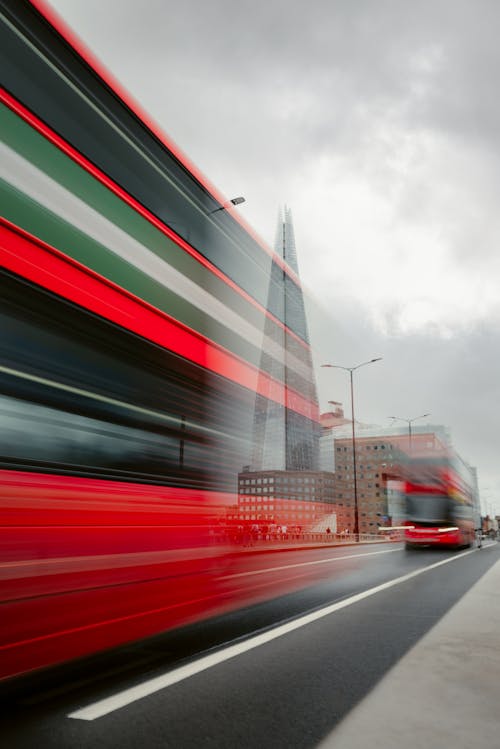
(46, 192)
(307, 564)
(146, 338)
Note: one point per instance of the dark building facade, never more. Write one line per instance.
(293, 498)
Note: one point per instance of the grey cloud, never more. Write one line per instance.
(320, 74)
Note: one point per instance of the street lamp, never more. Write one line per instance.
(409, 422)
(234, 201)
(351, 370)
(486, 503)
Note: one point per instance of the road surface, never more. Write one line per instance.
(293, 672)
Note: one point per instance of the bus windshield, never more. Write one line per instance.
(432, 509)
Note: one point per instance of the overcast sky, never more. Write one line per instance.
(378, 123)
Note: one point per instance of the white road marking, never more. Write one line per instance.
(306, 564)
(127, 696)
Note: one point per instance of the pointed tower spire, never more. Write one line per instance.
(284, 245)
(282, 439)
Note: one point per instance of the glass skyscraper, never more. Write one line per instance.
(284, 439)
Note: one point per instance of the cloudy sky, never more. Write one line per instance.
(379, 124)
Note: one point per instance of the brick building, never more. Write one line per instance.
(380, 455)
(292, 498)
(377, 463)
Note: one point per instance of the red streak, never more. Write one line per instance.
(82, 161)
(30, 257)
(70, 586)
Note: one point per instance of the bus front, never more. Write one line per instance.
(429, 516)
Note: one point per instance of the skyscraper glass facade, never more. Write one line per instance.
(282, 438)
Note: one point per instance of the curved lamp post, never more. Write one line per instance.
(409, 422)
(351, 370)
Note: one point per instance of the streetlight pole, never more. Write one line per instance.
(409, 422)
(351, 370)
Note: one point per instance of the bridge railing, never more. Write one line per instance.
(305, 538)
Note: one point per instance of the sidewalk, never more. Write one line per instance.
(445, 692)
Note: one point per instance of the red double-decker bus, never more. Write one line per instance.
(440, 507)
(135, 307)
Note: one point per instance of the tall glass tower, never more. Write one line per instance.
(284, 440)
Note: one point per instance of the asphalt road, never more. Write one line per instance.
(289, 680)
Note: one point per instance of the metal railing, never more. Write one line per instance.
(304, 538)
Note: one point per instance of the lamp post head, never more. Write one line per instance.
(351, 369)
(234, 201)
(408, 421)
(418, 417)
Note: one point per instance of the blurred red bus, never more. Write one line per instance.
(440, 508)
(132, 312)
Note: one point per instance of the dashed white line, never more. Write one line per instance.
(127, 696)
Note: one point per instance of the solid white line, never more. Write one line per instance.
(305, 564)
(117, 701)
